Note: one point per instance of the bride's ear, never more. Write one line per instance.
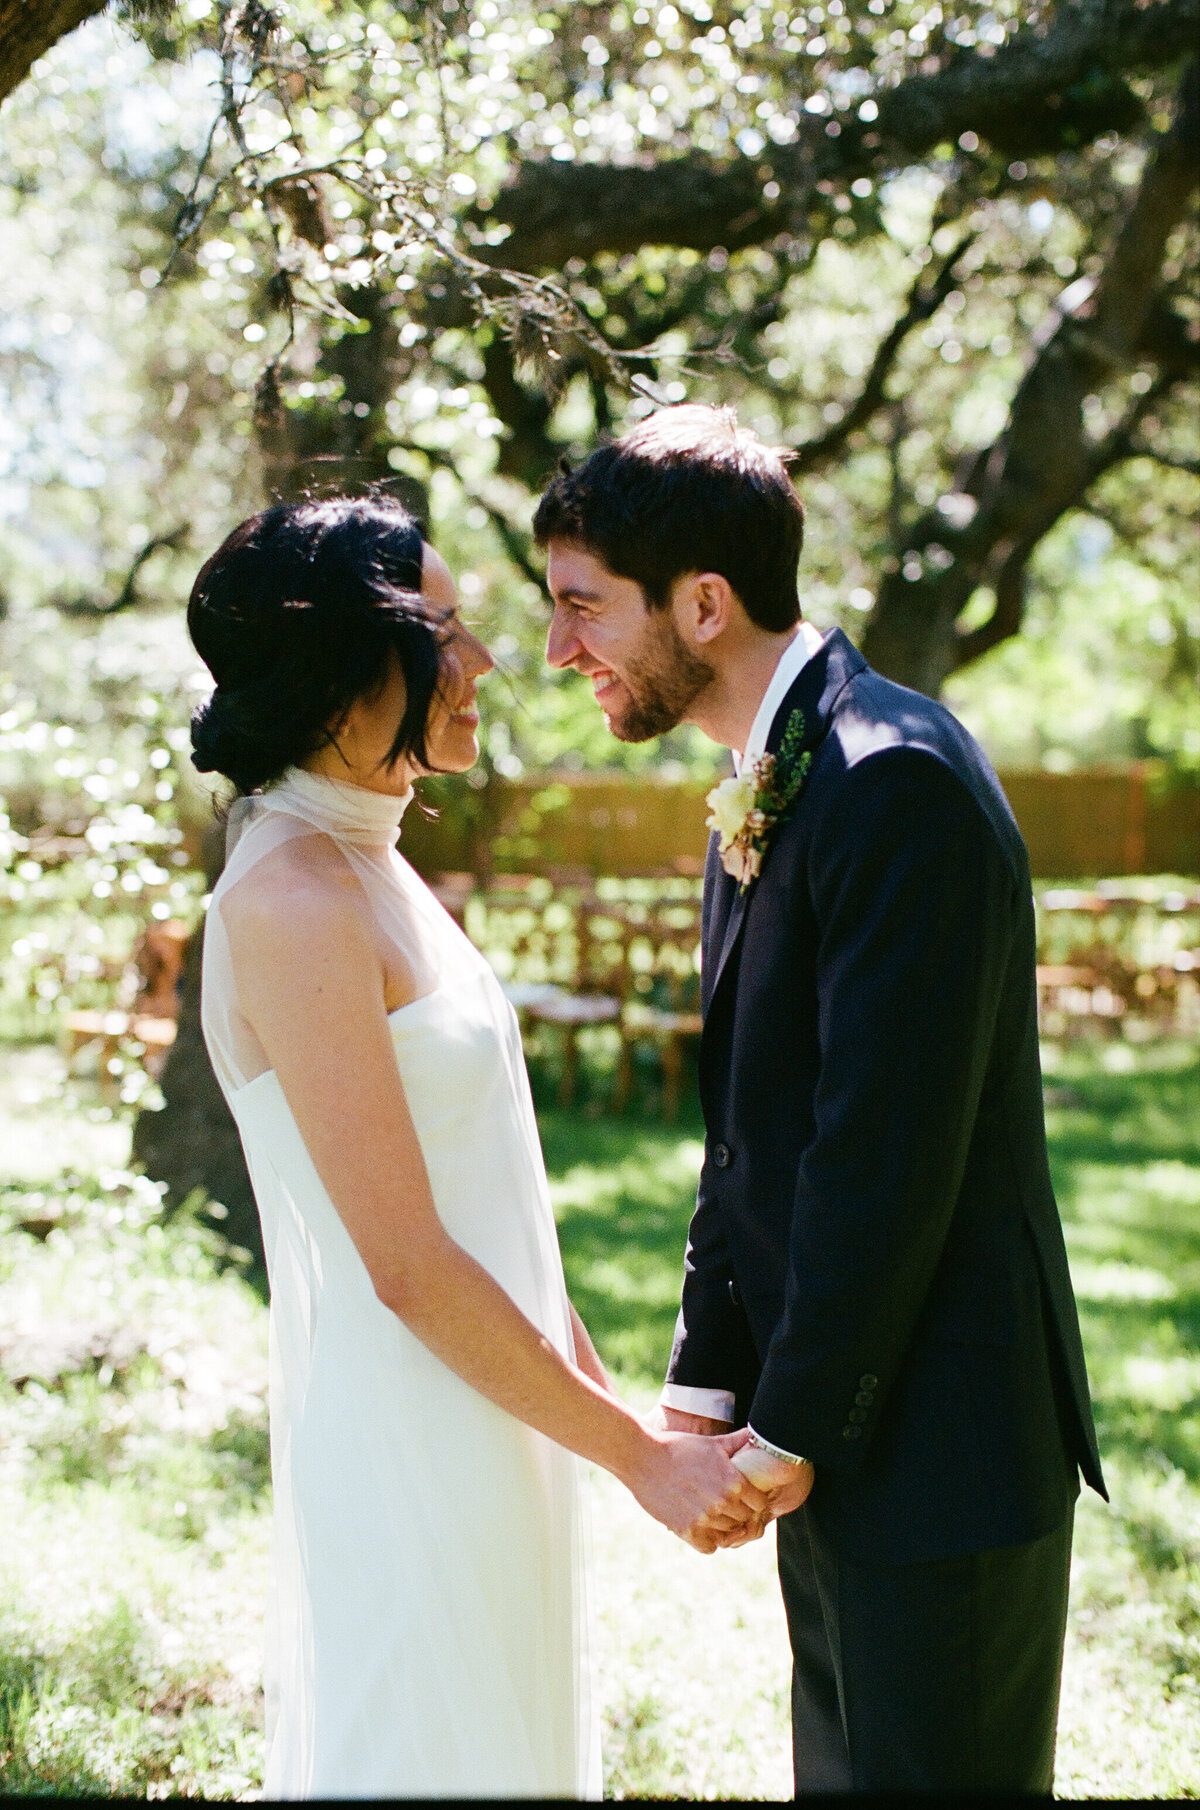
(703, 605)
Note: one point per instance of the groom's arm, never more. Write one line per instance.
(916, 909)
(714, 1365)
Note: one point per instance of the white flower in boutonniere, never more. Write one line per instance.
(731, 803)
(746, 810)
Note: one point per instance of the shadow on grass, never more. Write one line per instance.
(1125, 1155)
(1150, 1114)
(624, 1190)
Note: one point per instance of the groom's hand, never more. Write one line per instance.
(691, 1484)
(786, 1486)
(781, 1488)
(717, 1530)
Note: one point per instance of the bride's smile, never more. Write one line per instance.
(359, 751)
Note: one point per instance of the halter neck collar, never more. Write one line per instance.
(350, 812)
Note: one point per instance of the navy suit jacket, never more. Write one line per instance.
(876, 1264)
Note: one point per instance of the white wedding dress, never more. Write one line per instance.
(427, 1634)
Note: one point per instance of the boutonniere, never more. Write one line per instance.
(746, 810)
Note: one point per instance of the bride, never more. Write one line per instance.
(432, 1389)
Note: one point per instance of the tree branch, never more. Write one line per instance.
(128, 596)
(1008, 612)
(1044, 462)
(924, 300)
(27, 32)
(517, 545)
(29, 28)
(1115, 315)
(1052, 86)
(1169, 340)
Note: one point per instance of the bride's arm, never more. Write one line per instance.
(310, 981)
(587, 1357)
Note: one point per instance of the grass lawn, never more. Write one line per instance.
(134, 1483)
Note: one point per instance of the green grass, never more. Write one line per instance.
(1125, 1145)
(623, 1194)
(134, 1484)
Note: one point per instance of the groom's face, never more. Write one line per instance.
(643, 674)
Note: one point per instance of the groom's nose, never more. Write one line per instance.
(562, 643)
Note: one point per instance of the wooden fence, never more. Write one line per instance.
(1089, 823)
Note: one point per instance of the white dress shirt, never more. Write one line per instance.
(795, 657)
(717, 1404)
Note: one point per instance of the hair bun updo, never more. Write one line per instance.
(297, 614)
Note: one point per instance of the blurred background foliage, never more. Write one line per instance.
(438, 246)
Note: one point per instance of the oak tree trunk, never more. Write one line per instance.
(192, 1143)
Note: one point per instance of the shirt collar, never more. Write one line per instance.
(799, 651)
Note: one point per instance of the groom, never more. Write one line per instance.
(875, 1279)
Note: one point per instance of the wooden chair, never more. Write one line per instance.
(99, 1035)
(596, 989)
(662, 1004)
(532, 936)
(149, 1024)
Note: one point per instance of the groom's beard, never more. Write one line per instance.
(662, 680)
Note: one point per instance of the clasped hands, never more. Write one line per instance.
(769, 1487)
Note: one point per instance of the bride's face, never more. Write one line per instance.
(365, 736)
(451, 731)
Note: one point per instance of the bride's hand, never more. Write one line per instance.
(688, 1482)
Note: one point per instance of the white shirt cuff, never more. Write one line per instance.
(712, 1404)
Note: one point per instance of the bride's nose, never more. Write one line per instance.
(476, 658)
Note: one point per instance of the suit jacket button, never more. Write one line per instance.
(864, 1398)
(722, 1155)
(734, 1296)
(867, 1381)
(857, 1416)
(851, 1432)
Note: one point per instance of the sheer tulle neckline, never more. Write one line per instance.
(347, 811)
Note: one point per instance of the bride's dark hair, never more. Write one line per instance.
(296, 615)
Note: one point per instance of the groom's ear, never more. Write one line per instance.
(703, 606)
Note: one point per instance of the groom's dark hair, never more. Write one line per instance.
(686, 490)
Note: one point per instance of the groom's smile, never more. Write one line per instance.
(643, 675)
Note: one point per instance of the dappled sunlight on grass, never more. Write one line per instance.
(623, 1194)
(50, 1126)
(134, 1475)
(693, 1661)
(1125, 1148)
(129, 1653)
(1130, 1724)
(1126, 1159)
(1125, 1143)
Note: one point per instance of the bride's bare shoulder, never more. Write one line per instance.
(303, 891)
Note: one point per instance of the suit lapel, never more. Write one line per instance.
(721, 891)
(817, 687)
(733, 926)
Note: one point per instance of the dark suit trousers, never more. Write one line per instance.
(940, 1676)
